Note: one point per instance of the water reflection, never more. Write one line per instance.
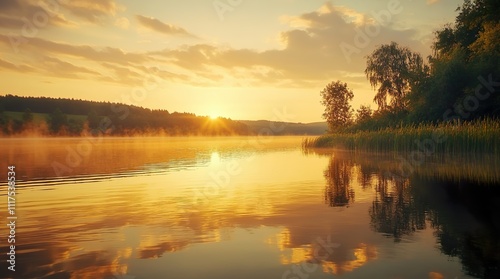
(463, 211)
(338, 190)
(265, 219)
(394, 211)
(465, 218)
(361, 255)
(59, 159)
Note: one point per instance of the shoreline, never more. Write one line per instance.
(475, 137)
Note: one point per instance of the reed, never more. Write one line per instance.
(480, 136)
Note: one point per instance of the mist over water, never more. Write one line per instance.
(245, 207)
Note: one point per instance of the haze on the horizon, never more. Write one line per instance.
(233, 58)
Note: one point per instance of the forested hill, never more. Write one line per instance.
(42, 116)
(72, 117)
(286, 128)
(68, 106)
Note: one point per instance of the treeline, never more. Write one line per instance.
(459, 82)
(70, 117)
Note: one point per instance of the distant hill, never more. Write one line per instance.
(286, 128)
(71, 117)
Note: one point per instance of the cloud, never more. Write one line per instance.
(17, 68)
(50, 66)
(122, 22)
(59, 68)
(91, 10)
(89, 62)
(16, 14)
(312, 49)
(105, 54)
(161, 27)
(122, 75)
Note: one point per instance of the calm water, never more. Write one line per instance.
(245, 208)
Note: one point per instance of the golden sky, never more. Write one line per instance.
(234, 58)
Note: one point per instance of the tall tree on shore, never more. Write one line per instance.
(336, 97)
(476, 19)
(394, 70)
(465, 53)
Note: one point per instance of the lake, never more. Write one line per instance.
(245, 207)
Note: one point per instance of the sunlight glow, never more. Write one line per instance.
(214, 158)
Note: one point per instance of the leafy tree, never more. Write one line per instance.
(4, 121)
(363, 113)
(445, 41)
(57, 120)
(464, 51)
(93, 119)
(488, 41)
(475, 30)
(75, 127)
(336, 97)
(3, 117)
(27, 116)
(394, 70)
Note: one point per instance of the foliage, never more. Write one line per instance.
(364, 113)
(394, 70)
(474, 26)
(460, 81)
(27, 116)
(465, 53)
(335, 98)
(76, 117)
(57, 121)
(93, 119)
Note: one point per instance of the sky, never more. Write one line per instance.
(241, 59)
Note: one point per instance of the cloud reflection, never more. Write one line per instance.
(100, 228)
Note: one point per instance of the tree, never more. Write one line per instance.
(75, 126)
(93, 119)
(27, 116)
(4, 121)
(477, 21)
(57, 120)
(3, 118)
(488, 41)
(472, 17)
(464, 51)
(335, 98)
(394, 70)
(363, 113)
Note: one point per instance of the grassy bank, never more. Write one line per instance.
(472, 137)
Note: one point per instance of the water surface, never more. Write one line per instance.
(245, 208)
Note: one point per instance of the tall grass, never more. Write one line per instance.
(481, 136)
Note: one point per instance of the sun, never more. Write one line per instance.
(213, 117)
